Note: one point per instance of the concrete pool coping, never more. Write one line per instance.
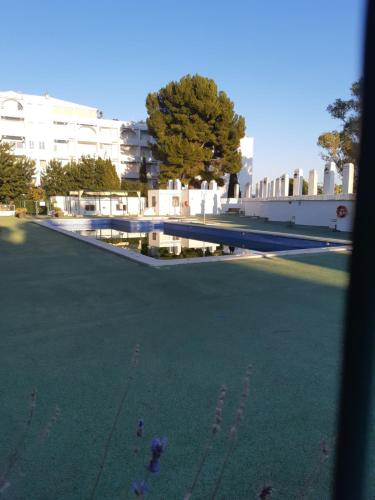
(149, 261)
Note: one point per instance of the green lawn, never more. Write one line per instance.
(71, 315)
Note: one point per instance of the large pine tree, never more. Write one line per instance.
(196, 129)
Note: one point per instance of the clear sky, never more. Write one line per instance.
(281, 62)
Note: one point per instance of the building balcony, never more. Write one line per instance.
(145, 142)
(130, 158)
(130, 140)
(10, 127)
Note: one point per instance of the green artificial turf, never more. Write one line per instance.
(71, 315)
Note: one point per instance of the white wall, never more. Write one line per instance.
(200, 201)
(319, 211)
(165, 201)
(102, 206)
(184, 202)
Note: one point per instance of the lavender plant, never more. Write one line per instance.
(325, 452)
(50, 424)
(234, 429)
(157, 447)
(140, 488)
(133, 365)
(215, 428)
(15, 456)
(265, 493)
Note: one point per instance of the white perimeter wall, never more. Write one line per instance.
(312, 212)
(185, 201)
(201, 201)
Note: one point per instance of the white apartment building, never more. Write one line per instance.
(45, 128)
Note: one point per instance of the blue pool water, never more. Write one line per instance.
(166, 240)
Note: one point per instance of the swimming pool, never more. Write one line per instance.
(165, 242)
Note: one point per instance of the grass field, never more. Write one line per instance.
(71, 315)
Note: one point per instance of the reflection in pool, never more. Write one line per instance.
(159, 245)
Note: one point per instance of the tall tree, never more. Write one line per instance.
(196, 129)
(143, 171)
(91, 174)
(36, 194)
(342, 146)
(55, 180)
(81, 174)
(106, 178)
(16, 174)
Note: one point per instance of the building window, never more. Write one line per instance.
(175, 201)
(31, 144)
(42, 145)
(154, 236)
(12, 118)
(153, 201)
(19, 145)
(89, 208)
(13, 138)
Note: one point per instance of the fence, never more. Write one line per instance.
(41, 207)
(6, 210)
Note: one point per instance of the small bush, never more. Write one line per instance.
(58, 212)
(21, 212)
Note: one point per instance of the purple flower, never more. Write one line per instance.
(140, 488)
(157, 447)
(140, 428)
(266, 493)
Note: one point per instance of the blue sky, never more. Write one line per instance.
(281, 62)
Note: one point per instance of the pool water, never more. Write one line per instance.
(159, 245)
(180, 240)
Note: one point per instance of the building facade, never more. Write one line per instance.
(45, 128)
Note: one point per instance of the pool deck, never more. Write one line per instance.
(255, 223)
(71, 315)
(62, 226)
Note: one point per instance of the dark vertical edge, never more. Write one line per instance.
(357, 382)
